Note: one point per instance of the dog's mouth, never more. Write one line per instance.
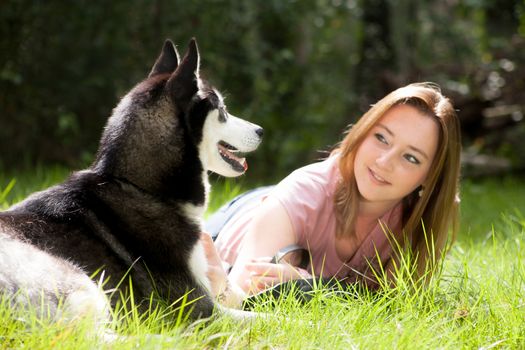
(232, 156)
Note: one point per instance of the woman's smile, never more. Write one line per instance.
(377, 179)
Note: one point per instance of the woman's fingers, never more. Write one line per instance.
(209, 248)
(265, 273)
(259, 283)
(263, 268)
(216, 274)
(262, 259)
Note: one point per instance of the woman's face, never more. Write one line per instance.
(395, 157)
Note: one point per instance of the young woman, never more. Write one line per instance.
(391, 184)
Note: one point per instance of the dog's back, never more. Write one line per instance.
(137, 211)
(90, 224)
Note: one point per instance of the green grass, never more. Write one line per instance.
(15, 187)
(477, 301)
(490, 202)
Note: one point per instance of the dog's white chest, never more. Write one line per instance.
(199, 266)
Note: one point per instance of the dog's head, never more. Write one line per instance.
(174, 125)
(221, 137)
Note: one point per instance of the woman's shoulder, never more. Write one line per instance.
(307, 196)
(312, 185)
(319, 173)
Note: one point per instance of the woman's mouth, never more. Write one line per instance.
(377, 179)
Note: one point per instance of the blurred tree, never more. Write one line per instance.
(302, 69)
(375, 52)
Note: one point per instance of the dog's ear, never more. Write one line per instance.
(167, 61)
(184, 82)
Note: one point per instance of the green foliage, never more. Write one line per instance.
(16, 186)
(302, 69)
(222, 191)
(488, 203)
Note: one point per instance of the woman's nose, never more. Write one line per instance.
(385, 160)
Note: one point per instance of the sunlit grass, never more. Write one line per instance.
(489, 202)
(477, 301)
(16, 186)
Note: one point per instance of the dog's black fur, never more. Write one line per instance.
(129, 209)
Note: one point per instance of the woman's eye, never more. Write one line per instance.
(381, 138)
(412, 159)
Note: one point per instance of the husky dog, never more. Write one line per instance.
(137, 210)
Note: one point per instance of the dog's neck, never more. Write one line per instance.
(193, 211)
(196, 212)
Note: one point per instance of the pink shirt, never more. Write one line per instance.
(307, 194)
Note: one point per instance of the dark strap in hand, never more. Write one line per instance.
(305, 257)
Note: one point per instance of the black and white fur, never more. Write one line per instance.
(137, 210)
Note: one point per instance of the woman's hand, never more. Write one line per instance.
(221, 289)
(263, 274)
(260, 240)
(216, 274)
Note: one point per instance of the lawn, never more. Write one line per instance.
(476, 301)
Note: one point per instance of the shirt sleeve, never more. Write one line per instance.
(303, 195)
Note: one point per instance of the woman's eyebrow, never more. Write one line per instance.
(386, 129)
(414, 148)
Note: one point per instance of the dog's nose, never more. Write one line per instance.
(260, 132)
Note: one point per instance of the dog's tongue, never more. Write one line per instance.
(227, 153)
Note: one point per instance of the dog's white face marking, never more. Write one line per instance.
(224, 139)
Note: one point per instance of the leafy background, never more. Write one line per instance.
(302, 69)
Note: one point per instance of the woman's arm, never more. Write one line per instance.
(269, 231)
(221, 288)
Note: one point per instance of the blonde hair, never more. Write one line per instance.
(426, 219)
